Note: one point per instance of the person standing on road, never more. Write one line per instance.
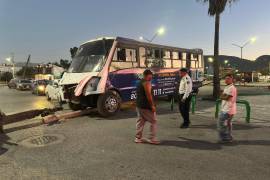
(146, 108)
(228, 110)
(185, 90)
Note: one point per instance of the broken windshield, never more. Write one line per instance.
(91, 57)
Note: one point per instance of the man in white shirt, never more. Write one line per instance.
(228, 110)
(185, 89)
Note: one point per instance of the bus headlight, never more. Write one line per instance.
(41, 88)
(91, 85)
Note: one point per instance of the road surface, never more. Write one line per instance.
(95, 148)
(92, 147)
(12, 101)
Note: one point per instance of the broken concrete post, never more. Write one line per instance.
(2, 116)
(13, 118)
(69, 115)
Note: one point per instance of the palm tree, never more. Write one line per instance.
(216, 7)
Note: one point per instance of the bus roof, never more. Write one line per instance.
(132, 42)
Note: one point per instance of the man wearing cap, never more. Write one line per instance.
(185, 89)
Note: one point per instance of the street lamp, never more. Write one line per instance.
(11, 60)
(210, 60)
(8, 59)
(250, 41)
(159, 32)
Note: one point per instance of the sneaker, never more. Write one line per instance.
(225, 141)
(138, 140)
(154, 141)
(184, 126)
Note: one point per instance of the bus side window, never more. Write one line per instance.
(188, 56)
(176, 61)
(150, 57)
(193, 64)
(194, 61)
(150, 54)
(157, 54)
(142, 54)
(188, 60)
(131, 55)
(166, 55)
(155, 59)
(124, 59)
(184, 60)
(121, 54)
(200, 61)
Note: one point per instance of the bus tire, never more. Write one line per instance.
(108, 104)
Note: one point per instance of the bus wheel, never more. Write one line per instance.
(108, 104)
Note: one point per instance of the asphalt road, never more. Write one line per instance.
(12, 101)
(94, 148)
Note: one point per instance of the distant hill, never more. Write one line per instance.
(22, 64)
(262, 63)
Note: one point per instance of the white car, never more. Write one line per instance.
(54, 92)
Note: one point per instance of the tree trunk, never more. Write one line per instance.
(216, 79)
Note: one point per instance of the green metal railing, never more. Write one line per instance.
(246, 103)
(193, 103)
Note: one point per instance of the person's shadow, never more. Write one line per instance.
(192, 144)
(4, 140)
(206, 145)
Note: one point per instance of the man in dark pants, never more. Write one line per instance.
(185, 89)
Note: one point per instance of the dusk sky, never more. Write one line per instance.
(46, 29)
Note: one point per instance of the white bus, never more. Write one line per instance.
(105, 71)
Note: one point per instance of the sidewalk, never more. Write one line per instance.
(260, 106)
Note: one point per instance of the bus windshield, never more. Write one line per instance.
(91, 57)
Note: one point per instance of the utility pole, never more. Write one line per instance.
(12, 60)
(26, 65)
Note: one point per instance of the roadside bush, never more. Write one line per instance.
(6, 76)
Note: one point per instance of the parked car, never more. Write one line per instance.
(55, 92)
(39, 86)
(12, 84)
(23, 84)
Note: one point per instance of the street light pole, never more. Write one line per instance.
(11, 60)
(143, 38)
(252, 40)
(159, 32)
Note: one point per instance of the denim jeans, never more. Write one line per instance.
(225, 126)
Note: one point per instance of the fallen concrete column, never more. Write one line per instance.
(2, 116)
(13, 118)
(69, 115)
